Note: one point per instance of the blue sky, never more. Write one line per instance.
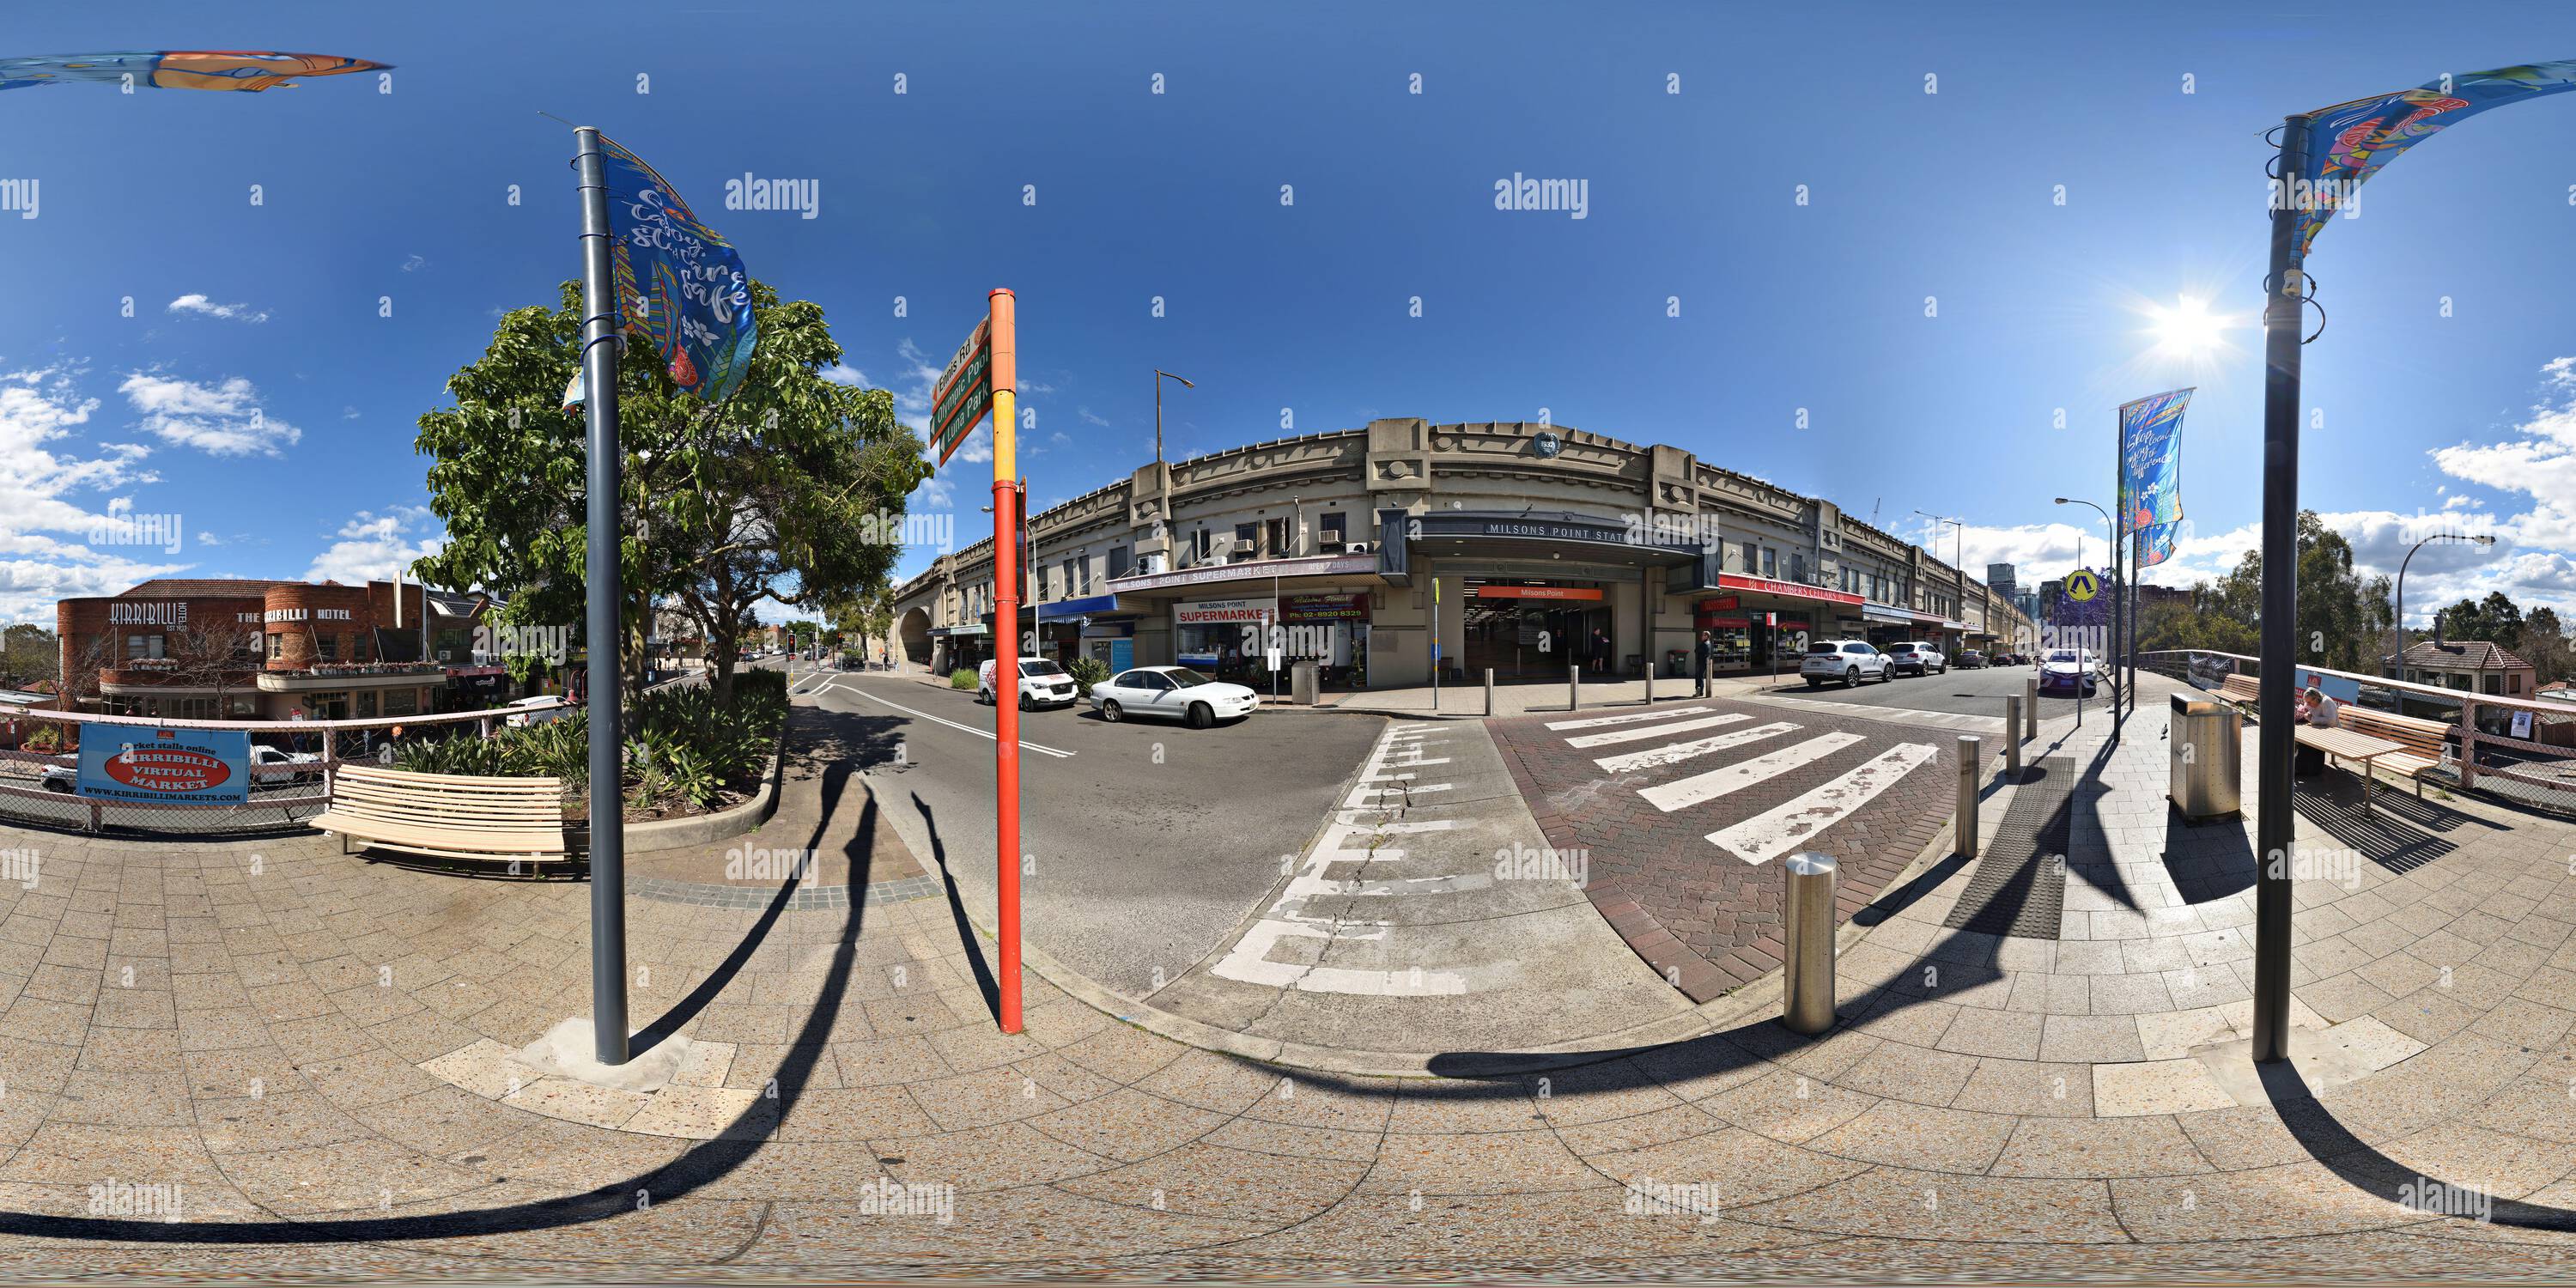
(261, 391)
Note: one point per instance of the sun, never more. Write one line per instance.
(2187, 327)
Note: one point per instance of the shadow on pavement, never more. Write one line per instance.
(702, 1165)
(2374, 1173)
(985, 983)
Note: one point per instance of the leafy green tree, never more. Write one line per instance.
(2343, 618)
(29, 655)
(761, 496)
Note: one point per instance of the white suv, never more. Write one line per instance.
(1849, 661)
(1917, 657)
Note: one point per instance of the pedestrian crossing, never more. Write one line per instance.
(1987, 726)
(1768, 760)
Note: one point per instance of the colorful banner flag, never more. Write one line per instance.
(2151, 459)
(252, 70)
(964, 392)
(680, 286)
(2156, 544)
(2349, 142)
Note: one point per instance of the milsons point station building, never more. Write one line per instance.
(1520, 548)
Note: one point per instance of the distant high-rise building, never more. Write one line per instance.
(2000, 576)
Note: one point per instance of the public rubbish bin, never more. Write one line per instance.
(2207, 752)
(1302, 683)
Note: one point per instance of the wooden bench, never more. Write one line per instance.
(446, 816)
(2425, 748)
(2241, 691)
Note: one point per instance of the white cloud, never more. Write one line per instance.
(194, 303)
(44, 553)
(220, 419)
(414, 264)
(371, 546)
(842, 373)
(348, 413)
(1090, 419)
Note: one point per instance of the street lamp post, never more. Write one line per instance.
(1958, 569)
(1162, 472)
(2397, 622)
(2115, 558)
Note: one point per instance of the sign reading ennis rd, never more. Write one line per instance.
(165, 766)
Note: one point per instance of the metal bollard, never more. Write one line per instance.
(1807, 914)
(2030, 708)
(2012, 738)
(1489, 691)
(1972, 757)
(1574, 686)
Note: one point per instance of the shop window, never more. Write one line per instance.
(366, 706)
(402, 702)
(1330, 531)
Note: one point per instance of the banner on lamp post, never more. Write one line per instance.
(2350, 142)
(2151, 459)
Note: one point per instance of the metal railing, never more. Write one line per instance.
(2520, 749)
(39, 767)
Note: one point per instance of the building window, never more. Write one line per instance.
(1118, 562)
(1283, 537)
(2494, 684)
(1330, 531)
(276, 647)
(1798, 567)
(326, 648)
(143, 646)
(402, 702)
(1770, 562)
(1082, 565)
(1245, 534)
(1751, 561)
(1200, 546)
(2513, 683)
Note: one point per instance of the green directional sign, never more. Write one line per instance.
(2082, 585)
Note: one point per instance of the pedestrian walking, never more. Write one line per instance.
(1699, 664)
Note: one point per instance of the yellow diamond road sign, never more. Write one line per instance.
(2081, 585)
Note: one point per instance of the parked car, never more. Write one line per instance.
(1171, 693)
(59, 778)
(1971, 660)
(272, 765)
(1916, 658)
(532, 711)
(1849, 661)
(1042, 682)
(2070, 669)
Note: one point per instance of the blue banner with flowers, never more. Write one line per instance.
(2349, 142)
(2151, 459)
(680, 286)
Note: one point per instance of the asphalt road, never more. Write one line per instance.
(1978, 692)
(1150, 843)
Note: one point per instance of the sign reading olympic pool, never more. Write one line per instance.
(165, 766)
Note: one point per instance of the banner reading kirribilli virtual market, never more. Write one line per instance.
(680, 286)
(2151, 459)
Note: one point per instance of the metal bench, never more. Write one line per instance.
(447, 816)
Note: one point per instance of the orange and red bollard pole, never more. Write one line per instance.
(1006, 648)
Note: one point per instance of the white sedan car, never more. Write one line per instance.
(1171, 693)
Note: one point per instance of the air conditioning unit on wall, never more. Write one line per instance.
(1356, 548)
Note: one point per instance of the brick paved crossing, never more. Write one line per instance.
(1691, 904)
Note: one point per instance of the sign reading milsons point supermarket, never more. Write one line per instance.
(142, 764)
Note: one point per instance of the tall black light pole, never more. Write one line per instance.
(2397, 621)
(607, 773)
(2284, 302)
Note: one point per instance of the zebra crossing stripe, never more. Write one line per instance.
(1630, 718)
(1684, 792)
(1676, 753)
(1775, 832)
(1658, 731)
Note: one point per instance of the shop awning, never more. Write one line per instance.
(1788, 590)
(973, 628)
(1885, 617)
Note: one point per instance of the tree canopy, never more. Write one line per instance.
(760, 496)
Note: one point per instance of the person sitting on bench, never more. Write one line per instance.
(2319, 711)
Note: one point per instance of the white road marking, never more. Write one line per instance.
(1057, 752)
(1775, 832)
(1631, 718)
(1682, 793)
(1658, 731)
(1406, 791)
(1676, 753)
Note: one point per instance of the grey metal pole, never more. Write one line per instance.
(1574, 686)
(2283, 312)
(1489, 691)
(1807, 911)
(1646, 629)
(599, 351)
(2012, 736)
(2030, 709)
(1972, 759)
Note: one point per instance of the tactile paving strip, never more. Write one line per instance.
(2019, 887)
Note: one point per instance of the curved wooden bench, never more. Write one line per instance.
(2425, 748)
(447, 816)
(2240, 691)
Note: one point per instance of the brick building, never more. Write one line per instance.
(243, 649)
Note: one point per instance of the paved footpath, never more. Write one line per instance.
(263, 1058)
